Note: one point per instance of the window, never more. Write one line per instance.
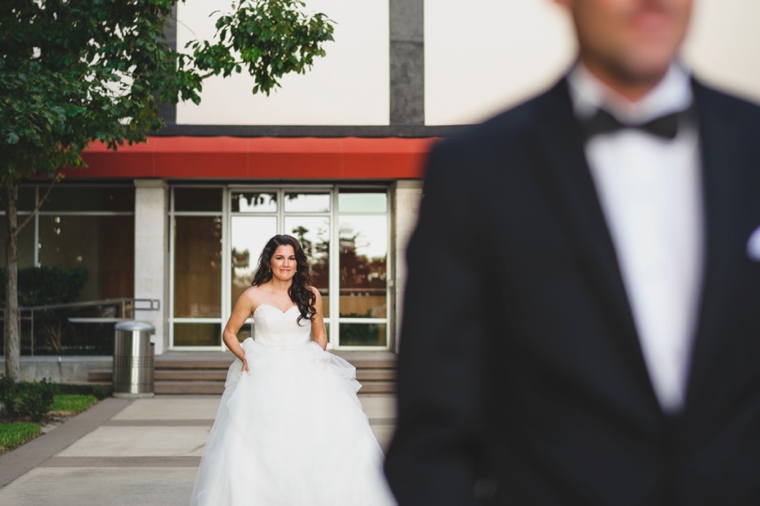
(89, 227)
(363, 237)
(80, 226)
(196, 259)
(218, 234)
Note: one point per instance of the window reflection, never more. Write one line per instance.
(252, 202)
(197, 199)
(362, 201)
(249, 235)
(88, 198)
(314, 235)
(26, 198)
(363, 266)
(25, 242)
(103, 245)
(197, 266)
(197, 334)
(307, 202)
(244, 332)
(363, 334)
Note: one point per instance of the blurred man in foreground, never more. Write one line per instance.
(582, 315)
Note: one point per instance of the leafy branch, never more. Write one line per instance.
(270, 38)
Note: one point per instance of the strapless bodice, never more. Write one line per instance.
(272, 328)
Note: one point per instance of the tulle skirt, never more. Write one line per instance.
(291, 432)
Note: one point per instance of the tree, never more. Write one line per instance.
(77, 71)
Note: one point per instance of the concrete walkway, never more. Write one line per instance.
(122, 452)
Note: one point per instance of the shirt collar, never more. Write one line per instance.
(588, 94)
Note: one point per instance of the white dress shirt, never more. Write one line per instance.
(650, 193)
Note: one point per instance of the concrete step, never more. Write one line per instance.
(190, 374)
(376, 374)
(189, 387)
(190, 363)
(372, 363)
(225, 364)
(96, 375)
(217, 387)
(378, 387)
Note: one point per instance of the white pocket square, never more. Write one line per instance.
(753, 245)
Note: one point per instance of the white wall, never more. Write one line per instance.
(485, 55)
(481, 55)
(350, 86)
(724, 45)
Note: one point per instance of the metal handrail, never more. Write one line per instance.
(153, 305)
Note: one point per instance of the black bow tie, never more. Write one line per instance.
(604, 123)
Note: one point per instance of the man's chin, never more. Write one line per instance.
(645, 68)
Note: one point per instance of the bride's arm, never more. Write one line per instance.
(241, 312)
(318, 322)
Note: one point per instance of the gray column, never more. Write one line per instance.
(151, 246)
(407, 62)
(167, 110)
(407, 202)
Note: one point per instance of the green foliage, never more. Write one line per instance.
(269, 37)
(15, 434)
(96, 391)
(76, 71)
(72, 403)
(23, 398)
(358, 334)
(40, 286)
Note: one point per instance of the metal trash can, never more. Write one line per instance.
(133, 359)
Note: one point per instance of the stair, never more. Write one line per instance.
(194, 373)
(187, 372)
(375, 370)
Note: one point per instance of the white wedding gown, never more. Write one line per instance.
(291, 431)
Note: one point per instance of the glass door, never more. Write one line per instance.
(364, 270)
(196, 263)
(258, 214)
(218, 233)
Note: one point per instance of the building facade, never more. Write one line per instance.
(335, 157)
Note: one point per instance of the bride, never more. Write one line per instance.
(290, 430)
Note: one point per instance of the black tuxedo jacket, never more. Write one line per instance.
(521, 379)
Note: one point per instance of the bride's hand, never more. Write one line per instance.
(245, 365)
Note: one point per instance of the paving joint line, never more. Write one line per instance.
(37, 451)
(159, 423)
(101, 462)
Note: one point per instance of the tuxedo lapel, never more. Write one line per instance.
(727, 200)
(567, 178)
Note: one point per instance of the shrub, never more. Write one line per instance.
(32, 399)
(40, 286)
(82, 389)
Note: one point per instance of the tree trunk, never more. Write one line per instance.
(12, 330)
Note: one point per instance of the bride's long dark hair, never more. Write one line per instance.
(300, 289)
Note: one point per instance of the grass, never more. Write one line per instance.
(71, 404)
(15, 434)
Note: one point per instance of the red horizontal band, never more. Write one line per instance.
(261, 157)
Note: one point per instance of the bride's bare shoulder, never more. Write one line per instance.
(252, 296)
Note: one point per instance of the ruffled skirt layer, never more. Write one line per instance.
(291, 432)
